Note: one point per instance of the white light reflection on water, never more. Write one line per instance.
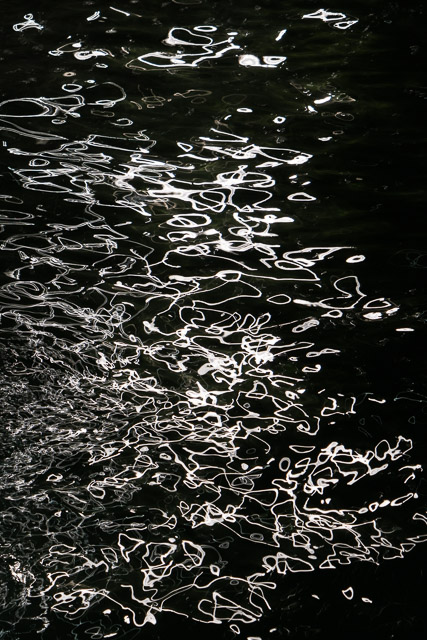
(157, 368)
(201, 47)
(338, 20)
(29, 23)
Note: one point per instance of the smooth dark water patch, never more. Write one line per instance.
(212, 320)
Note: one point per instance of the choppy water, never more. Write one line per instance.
(213, 402)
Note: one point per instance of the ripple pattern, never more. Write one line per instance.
(169, 442)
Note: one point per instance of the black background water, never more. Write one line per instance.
(100, 346)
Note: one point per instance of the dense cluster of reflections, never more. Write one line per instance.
(161, 412)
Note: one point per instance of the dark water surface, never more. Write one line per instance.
(212, 323)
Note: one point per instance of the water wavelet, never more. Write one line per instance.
(171, 443)
(138, 434)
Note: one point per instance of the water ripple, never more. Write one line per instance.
(161, 414)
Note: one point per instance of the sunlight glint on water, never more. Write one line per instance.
(169, 435)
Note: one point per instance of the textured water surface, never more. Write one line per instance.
(213, 396)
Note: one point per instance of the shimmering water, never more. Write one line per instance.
(213, 389)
